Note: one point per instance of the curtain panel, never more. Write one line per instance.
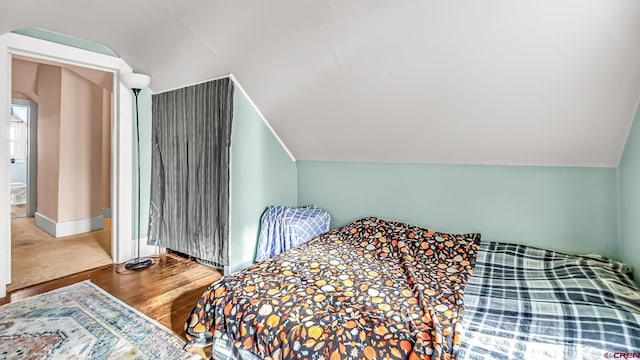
(189, 209)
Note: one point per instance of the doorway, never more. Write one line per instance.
(22, 153)
(61, 216)
(12, 44)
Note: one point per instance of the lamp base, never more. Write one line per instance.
(138, 263)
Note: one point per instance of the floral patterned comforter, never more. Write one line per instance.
(372, 289)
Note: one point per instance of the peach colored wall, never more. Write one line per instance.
(81, 117)
(24, 80)
(74, 136)
(100, 78)
(49, 85)
(19, 95)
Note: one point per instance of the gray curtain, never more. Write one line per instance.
(189, 210)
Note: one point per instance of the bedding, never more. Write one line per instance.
(371, 289)
(283, 228)
(524, 302)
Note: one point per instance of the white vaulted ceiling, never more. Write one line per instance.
(542, 82)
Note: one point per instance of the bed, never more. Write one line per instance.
(380, 289)
(523, 302)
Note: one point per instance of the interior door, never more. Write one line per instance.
(25, 146)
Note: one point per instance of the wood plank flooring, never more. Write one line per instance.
(166, 291)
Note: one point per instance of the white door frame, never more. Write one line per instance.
(121, 145)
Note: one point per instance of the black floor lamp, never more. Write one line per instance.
(137, 82)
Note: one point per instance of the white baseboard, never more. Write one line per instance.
(69, 227)
(106, 212)
(45, 223)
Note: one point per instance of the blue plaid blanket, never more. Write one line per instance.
(528, 303)
(285, 228)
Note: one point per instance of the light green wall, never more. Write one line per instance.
(570, 209)
(629, 195)
(567, 209)
(144, 101)
(262, 174)
(65, 40)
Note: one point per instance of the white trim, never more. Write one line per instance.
(106, 212)
(50, 51)
(121, 179)
(5, 186)
(121, 156)
(113, 53)
(68, 228)
(45, 223)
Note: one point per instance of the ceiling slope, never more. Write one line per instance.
(493, 82)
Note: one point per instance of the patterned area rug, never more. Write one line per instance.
(82, 321)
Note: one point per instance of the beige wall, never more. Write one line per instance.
(49, 85)
(80, 184)
(24, 80)
(74, 136)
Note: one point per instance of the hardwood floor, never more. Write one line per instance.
(166, 291)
